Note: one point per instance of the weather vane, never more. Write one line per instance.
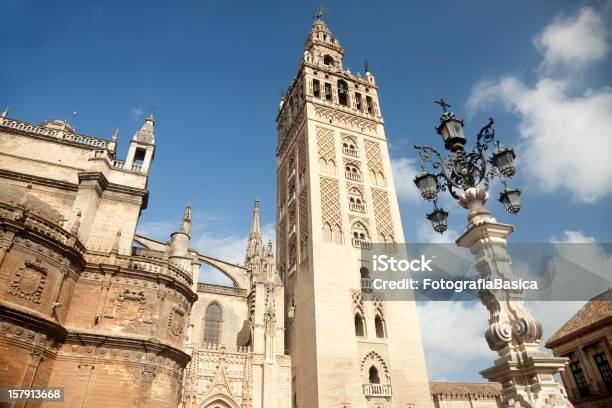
(321, 12)
(443, 104)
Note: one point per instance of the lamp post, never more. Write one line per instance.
(525, 371)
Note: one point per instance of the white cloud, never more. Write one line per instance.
(564, 138)
(426, 234)
(575, 41)
(573, 237)
(159, 230)
(404, 171)
(445, 325)
(453, 338)
(137, 113)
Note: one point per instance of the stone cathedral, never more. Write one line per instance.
(120, 320)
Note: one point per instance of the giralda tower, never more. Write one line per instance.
(335, 195)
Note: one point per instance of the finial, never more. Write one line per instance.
(443, 104)
(115, 134)
(186, 224)
(366, 65)
(321, 12)
(5, 112)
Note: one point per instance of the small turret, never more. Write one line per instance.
(142, 148)
(179, 242)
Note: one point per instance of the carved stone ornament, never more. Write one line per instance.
(129, 306)
(176, 321)
(29, 281)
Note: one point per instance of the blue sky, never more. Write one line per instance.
(215, 71)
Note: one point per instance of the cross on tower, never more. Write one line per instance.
(321, 12)
(443, 104)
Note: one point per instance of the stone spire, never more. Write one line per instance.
(254, 246)
(146, 134)
(186, 224)
(321, 47)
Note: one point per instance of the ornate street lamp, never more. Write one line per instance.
(525, 372)
(461, 169)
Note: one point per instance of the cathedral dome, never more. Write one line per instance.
(22, 198)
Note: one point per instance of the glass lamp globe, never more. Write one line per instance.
(511, 199)
(439, 220)
(451, 130)
(427, 185)
(503, 159)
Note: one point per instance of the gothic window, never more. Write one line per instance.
(604, 368)
(369, 105)
(359, 327)
(328, 92)
(349, 147)
(379, 325)
(360, 235)
(328, 60)
(358, 101)
(352, 172)
(356, 202)
(212, 324)
(342, 93)
(373, 375)
(316, 88)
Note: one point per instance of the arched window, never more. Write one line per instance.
(364, 272)
(212, 324)
(342, 93)
(359, 329)
(379, 326)
(328, 60)
(316, 88)
(373, 375)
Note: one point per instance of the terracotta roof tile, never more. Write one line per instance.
(595, 310)
(461, 388)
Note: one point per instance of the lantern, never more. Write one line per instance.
(427, 185)
(451, 130)
(511, 199)
(439, 219)
(503, 159)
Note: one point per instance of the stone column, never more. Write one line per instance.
(525, 371)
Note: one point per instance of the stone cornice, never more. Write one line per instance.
(63, 185)
(133, 341)
(31, 319)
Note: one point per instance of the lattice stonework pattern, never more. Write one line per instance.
(373, 156)
(302, 154)
(382, 212)
(303, 215)
(330, 202)
(325, 144)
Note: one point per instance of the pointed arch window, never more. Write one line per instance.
(359, 326)
(373, 375)
(213, 318)
(379, 326)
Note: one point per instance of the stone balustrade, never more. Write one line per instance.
(377, 390)
(63, 135)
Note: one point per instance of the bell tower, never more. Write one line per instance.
(335, 196)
